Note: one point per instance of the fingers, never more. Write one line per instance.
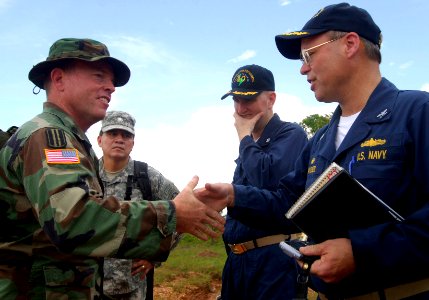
(208, 186)
(259, 115)
(193, 183)
(203, 232)
(142, 270)
(311, 250)
(216, 220)
(141, 267)
(211, 226)
(200, 193)
(195, 217)
(212, 189)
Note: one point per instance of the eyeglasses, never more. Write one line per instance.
(306, 55)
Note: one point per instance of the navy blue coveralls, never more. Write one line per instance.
(395, 168)
(265, 272)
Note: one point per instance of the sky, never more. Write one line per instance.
(182, 55)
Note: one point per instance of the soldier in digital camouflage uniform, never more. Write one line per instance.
(116, 140)
(55, 225)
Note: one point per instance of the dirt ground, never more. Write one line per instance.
(190, 293)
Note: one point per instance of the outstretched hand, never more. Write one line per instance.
(216, 195)
(194, 217)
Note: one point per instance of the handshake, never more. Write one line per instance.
(198, 210)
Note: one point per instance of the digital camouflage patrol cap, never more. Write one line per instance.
(116, 119)
(337, 17)
(249, 81)
(80, 49)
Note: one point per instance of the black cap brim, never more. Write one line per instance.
(289, 44)
(39, 72)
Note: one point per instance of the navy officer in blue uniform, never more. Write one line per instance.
(380, 135)
(268, 148)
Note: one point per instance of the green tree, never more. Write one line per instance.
(312, 123)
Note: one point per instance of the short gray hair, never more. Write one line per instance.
(372, 50)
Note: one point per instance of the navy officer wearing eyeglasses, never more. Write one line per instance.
(379, 134)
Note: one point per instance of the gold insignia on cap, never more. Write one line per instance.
(244, 93)
(296, 33)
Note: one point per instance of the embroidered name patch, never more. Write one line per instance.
(62, 156)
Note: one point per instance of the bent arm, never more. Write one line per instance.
(264, 166)
(67, 200)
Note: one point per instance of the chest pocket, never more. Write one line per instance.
(377, 158)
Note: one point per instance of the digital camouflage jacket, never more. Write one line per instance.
(117, 272)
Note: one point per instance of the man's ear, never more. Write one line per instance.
(132, 146)
(99, 140)
(271, 99)
(352, 42)
(57, 78)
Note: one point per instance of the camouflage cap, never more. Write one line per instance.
(118, 120)
(81, 49)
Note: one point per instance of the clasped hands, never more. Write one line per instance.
(198, 210)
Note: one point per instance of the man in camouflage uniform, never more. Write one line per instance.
(117, 168)
(55, 225)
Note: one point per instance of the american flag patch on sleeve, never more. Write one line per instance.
(62, 156)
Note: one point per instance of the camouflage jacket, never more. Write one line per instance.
(55, 225)
(117, 272)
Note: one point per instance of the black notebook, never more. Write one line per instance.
(335, 203)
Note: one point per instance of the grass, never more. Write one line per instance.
(196, 262)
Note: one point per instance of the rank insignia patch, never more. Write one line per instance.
(62, 156)
(56, 138)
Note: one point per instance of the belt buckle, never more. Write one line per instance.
(238, 248)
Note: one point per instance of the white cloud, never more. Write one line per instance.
(406, 65)
(248, 54)
(285, 2)
(425, 87)
(292, 109)
(205, 145)
(141, 53)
